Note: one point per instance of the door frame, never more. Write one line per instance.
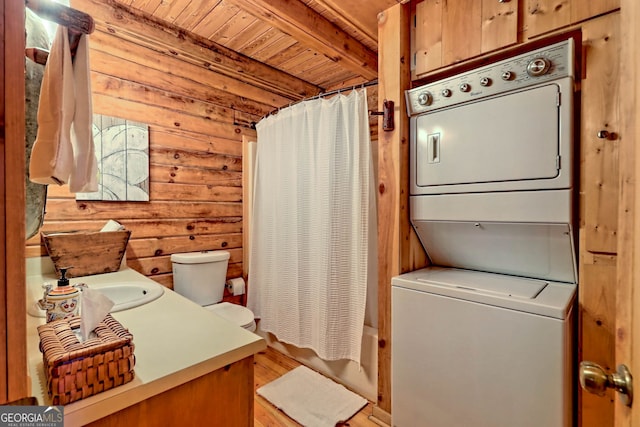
(13, 380)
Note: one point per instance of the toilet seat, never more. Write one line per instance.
(235, 313)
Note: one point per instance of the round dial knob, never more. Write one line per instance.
(425, 98)
(485, 81)
(446, 93)
(538, 67)
(465, 87)
(507, 75)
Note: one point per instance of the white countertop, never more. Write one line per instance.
(175, 342)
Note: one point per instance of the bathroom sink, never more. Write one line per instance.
(130, 294)
(125, 295)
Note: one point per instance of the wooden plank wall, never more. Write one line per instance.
(195, 137)
(199, 105)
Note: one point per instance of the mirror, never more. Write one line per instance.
(36, 194)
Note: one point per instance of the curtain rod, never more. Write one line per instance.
(333, 92)
(322, 95)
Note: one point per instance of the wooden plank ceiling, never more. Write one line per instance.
(327, 43)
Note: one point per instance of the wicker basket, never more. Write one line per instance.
(75, 370)
(86, 252)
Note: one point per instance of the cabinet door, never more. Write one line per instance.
(461, 30)
(581, 10)
(428, 36)
(450, 31)
(542, 16)
(499, 24)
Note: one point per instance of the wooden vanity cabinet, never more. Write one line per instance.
(219, 398)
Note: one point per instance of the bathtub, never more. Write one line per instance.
(362, 380)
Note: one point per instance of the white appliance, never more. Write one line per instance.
(485, 336)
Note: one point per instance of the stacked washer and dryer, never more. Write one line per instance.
(484, 337)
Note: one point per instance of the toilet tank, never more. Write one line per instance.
(200, 276)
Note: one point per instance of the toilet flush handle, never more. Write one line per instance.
(595, 380)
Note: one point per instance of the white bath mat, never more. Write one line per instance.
(312, 399)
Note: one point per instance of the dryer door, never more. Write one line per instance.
(478, 146)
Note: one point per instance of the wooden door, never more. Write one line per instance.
(599, 116)
(627, 347)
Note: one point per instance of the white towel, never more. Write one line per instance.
(64, 151)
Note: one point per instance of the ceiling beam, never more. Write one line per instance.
(314, 31)
(132, 24)
(339, 9)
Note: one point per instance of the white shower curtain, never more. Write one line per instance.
(312, 214)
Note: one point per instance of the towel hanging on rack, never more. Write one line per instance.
(64, 151)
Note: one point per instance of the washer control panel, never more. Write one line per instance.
(546, 64)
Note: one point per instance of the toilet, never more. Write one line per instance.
(201, 277)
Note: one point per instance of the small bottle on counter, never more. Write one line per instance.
(62, 301)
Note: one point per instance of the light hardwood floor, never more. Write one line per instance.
(272, 364)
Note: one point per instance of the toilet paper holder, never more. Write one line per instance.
(236, 286)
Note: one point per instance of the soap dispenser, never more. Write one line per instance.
(61, 301)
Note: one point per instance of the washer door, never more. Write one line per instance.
(505, 139)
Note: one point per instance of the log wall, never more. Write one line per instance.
(195, 148)
(199, 101)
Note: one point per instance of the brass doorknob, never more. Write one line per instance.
(595, 380)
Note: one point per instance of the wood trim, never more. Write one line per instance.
(315, 31)
(248, 163)
(4, 327)
(627, 349)
(399, 250)
(380, 416)
(13, 183)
